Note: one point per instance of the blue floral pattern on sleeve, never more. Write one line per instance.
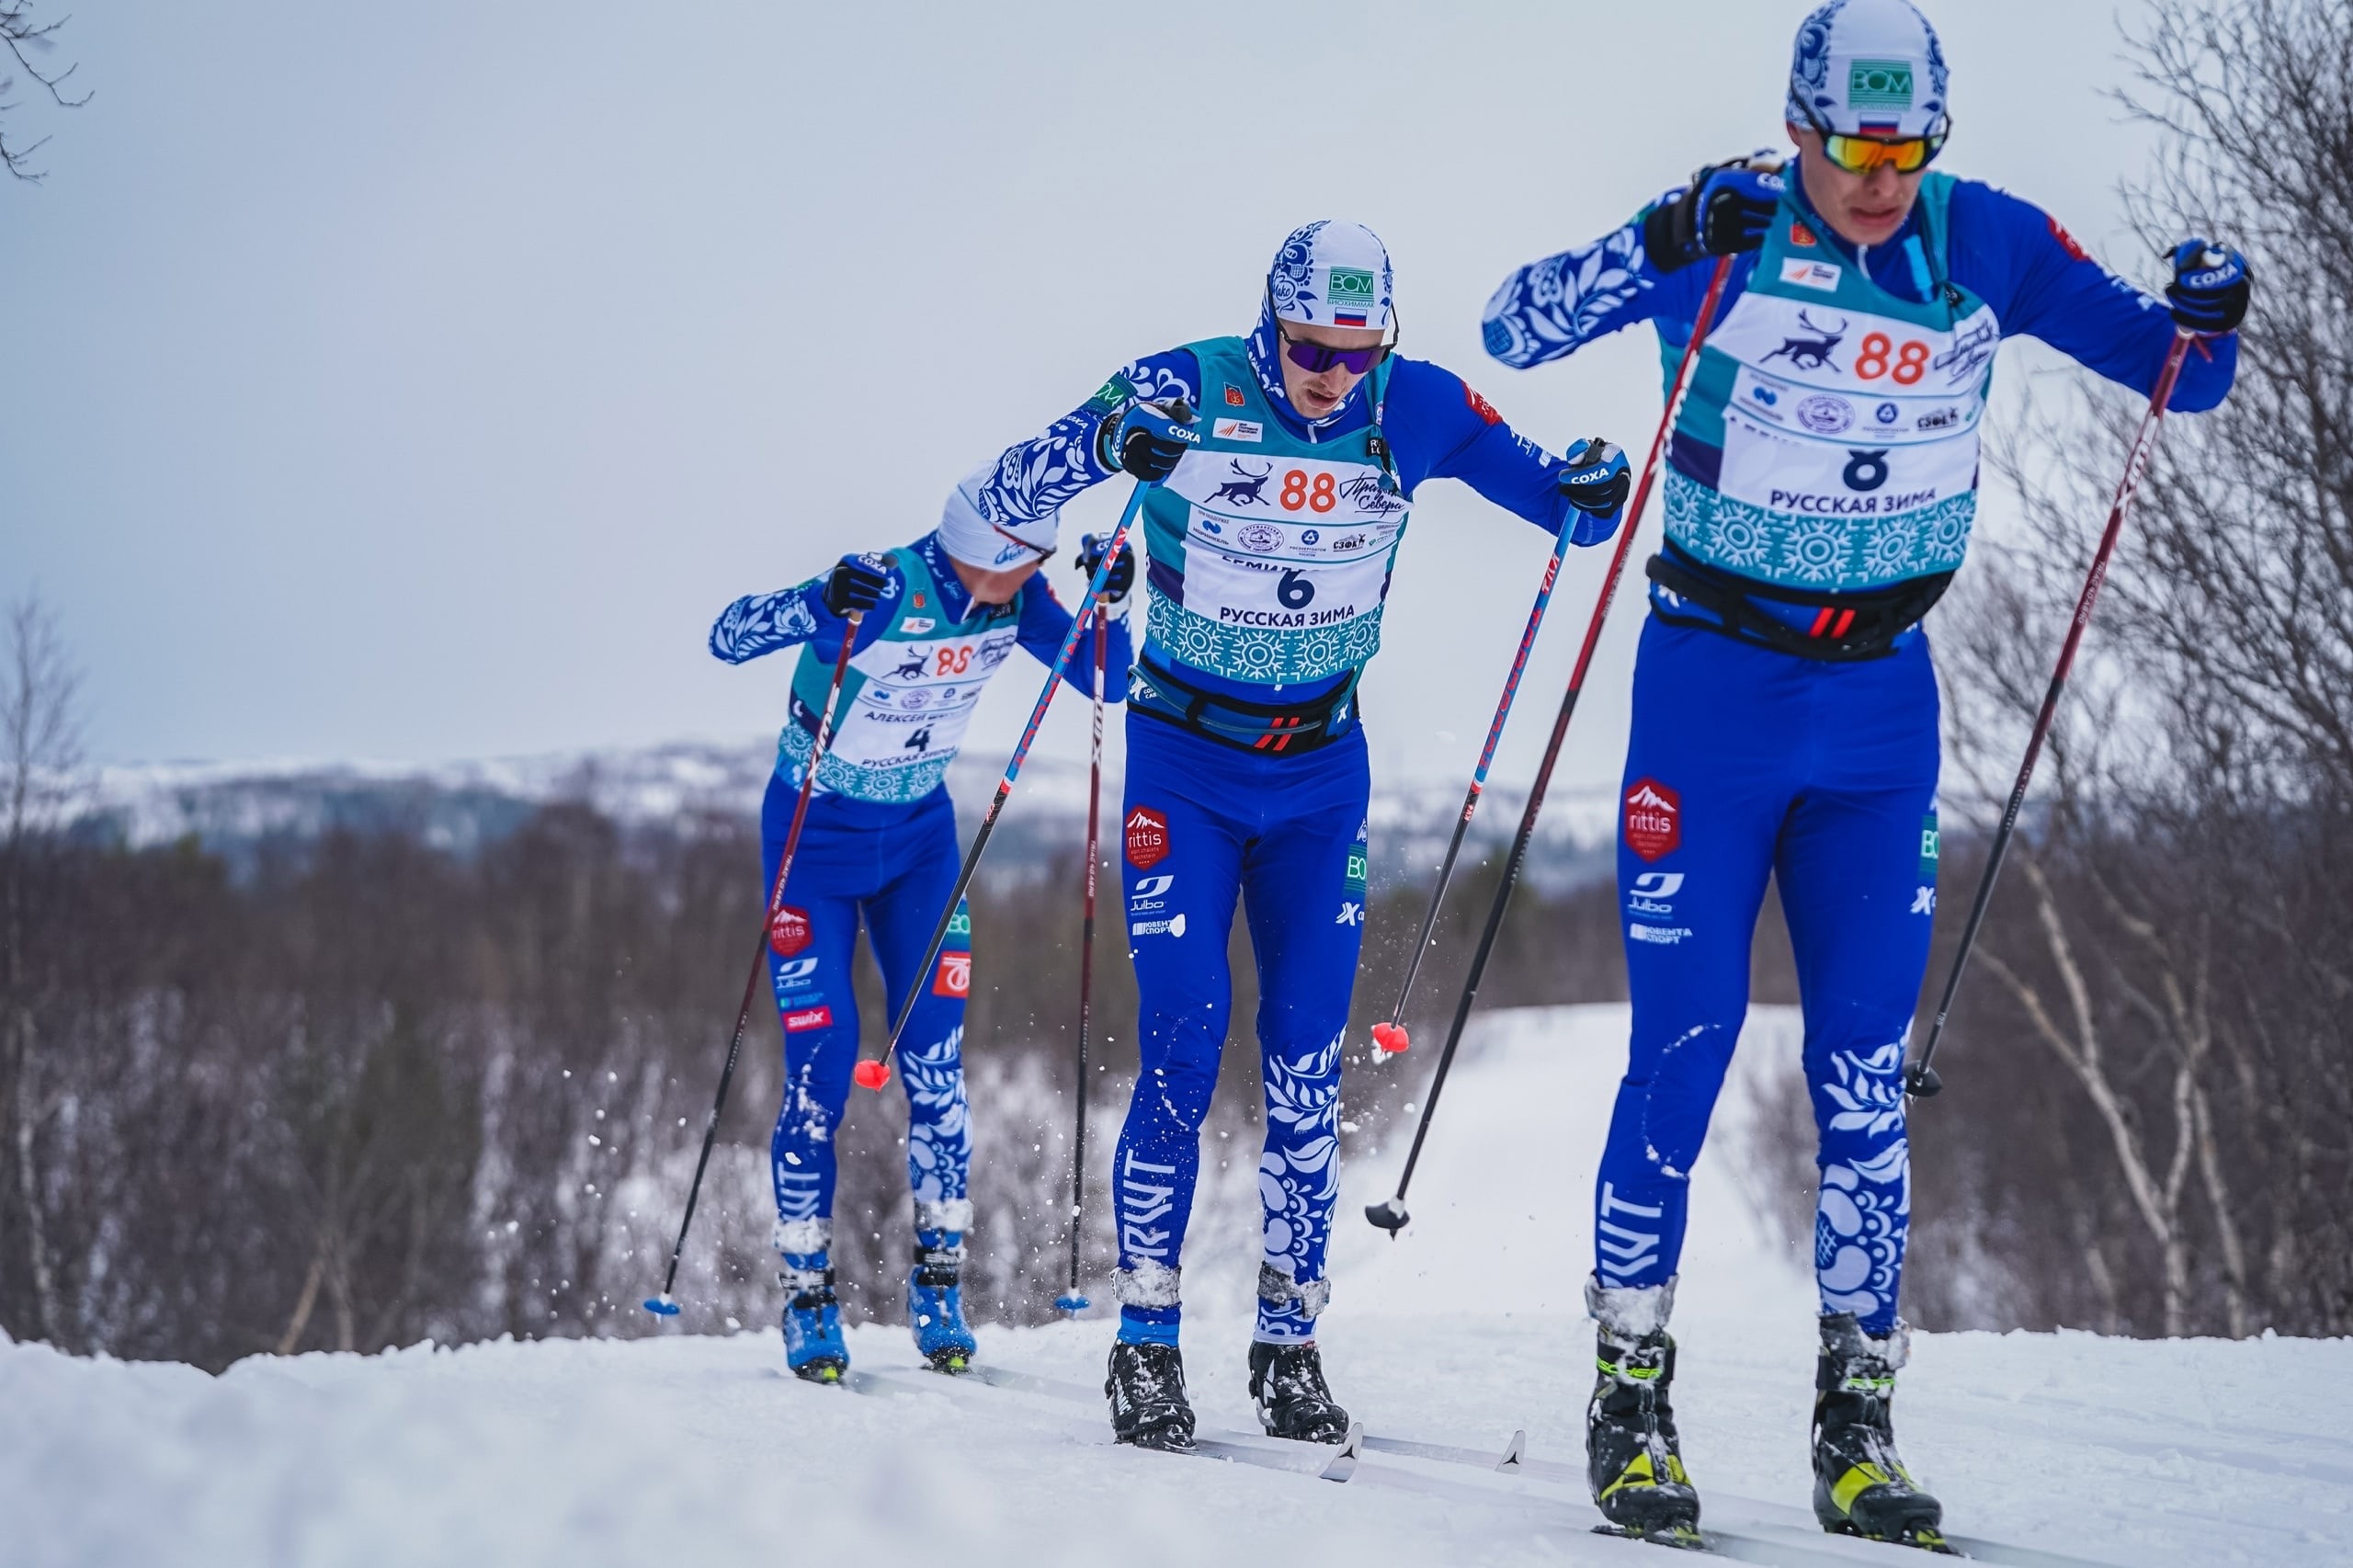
(1036, 476)
(762, 623)
(1552, 308)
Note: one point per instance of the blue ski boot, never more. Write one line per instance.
(813, 1347)
(936, 1301)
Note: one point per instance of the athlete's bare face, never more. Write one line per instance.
(1317, 392)
(993, 588)
(1864, 210)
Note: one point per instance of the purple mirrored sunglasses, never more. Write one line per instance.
(1316, 359)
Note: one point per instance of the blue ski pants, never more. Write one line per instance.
(894, 866)
(1746, 763)
(1205, 824)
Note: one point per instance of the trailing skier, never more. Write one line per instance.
(1271, 537)
(940, 616)
(1822, 484)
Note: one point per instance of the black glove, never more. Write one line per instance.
(1725, 209)
(855, 586)
(1148, 440)
(2210, 287)
(1123, 570)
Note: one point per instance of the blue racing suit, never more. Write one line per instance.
(880, 841)
(1270, 549)
(1821, 487)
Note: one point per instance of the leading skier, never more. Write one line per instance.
(939, 616)
(1822, 483)
(1272, 527)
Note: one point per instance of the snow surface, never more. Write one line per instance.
(699, 1450)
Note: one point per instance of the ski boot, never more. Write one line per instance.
(1860, 1487)
(1632, 1458)
(1287, 1384)
(936, 1301)
(1146, 1387)
(813, 1347)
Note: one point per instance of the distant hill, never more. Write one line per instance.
(236, 809)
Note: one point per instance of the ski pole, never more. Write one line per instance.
(1391, 1037)
(1389, 1214)
(873, 1073)
(1920, 1079)
(665, 1304)
(1072, 1303)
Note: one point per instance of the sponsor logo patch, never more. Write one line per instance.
(1804, 274)
(1825, 415)
(802, 1019)
(1878, 83)
(1147, 838)
(1234, 398)
(1480, 405)
(1353, 291)
(1652, 892)
(1653, 819)
(955, 976)
(915, 626)
(1240, 430)
(1172, 927)
(1658, 935)
(789, 932)
(1801, 236)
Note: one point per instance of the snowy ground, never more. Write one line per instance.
(698, 1450)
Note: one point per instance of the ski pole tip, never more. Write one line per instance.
(870, 1074)
(1391, 1039)
(1389, 1214)
(1923, 1082)
(1073, 1304)
(662, 1305)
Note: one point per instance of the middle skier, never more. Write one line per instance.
(1271, 539)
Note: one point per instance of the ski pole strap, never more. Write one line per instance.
(1835, 628)
(1274, 729)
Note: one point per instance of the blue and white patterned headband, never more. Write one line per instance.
(1868, 68)
(968, 534)
(1332, 273)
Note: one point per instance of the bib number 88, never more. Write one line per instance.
(1911, 361)
(1322, 496)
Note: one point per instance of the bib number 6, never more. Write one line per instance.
(1295, 592)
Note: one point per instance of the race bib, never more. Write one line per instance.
(917, 698)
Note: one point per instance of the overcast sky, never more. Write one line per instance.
(417, 383)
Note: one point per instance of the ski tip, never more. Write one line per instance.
(1389, 1214)
(1515, 1453)
(870, 1074)
(662, 1305)
(1073, 1304)
(1343, 1463)
(1391, 1039)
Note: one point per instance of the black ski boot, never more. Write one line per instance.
(1631, 1457)
(1146, 1387)
(1860, 1487)
(1287, 1384)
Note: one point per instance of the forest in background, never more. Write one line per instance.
(365, 1090)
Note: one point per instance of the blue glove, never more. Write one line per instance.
(1724, 211)
(1148, 440)
(1123, 570)
(2210, 287)
(1596, 483)
(855, 584)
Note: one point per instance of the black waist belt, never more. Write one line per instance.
(1275, 727)
(1841, 628)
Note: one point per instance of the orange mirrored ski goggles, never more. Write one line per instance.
(1861, 154)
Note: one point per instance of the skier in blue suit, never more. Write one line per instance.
(939, 617)
(1271, 530)
(1822, 483)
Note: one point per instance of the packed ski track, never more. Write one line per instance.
(2046, 1449)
